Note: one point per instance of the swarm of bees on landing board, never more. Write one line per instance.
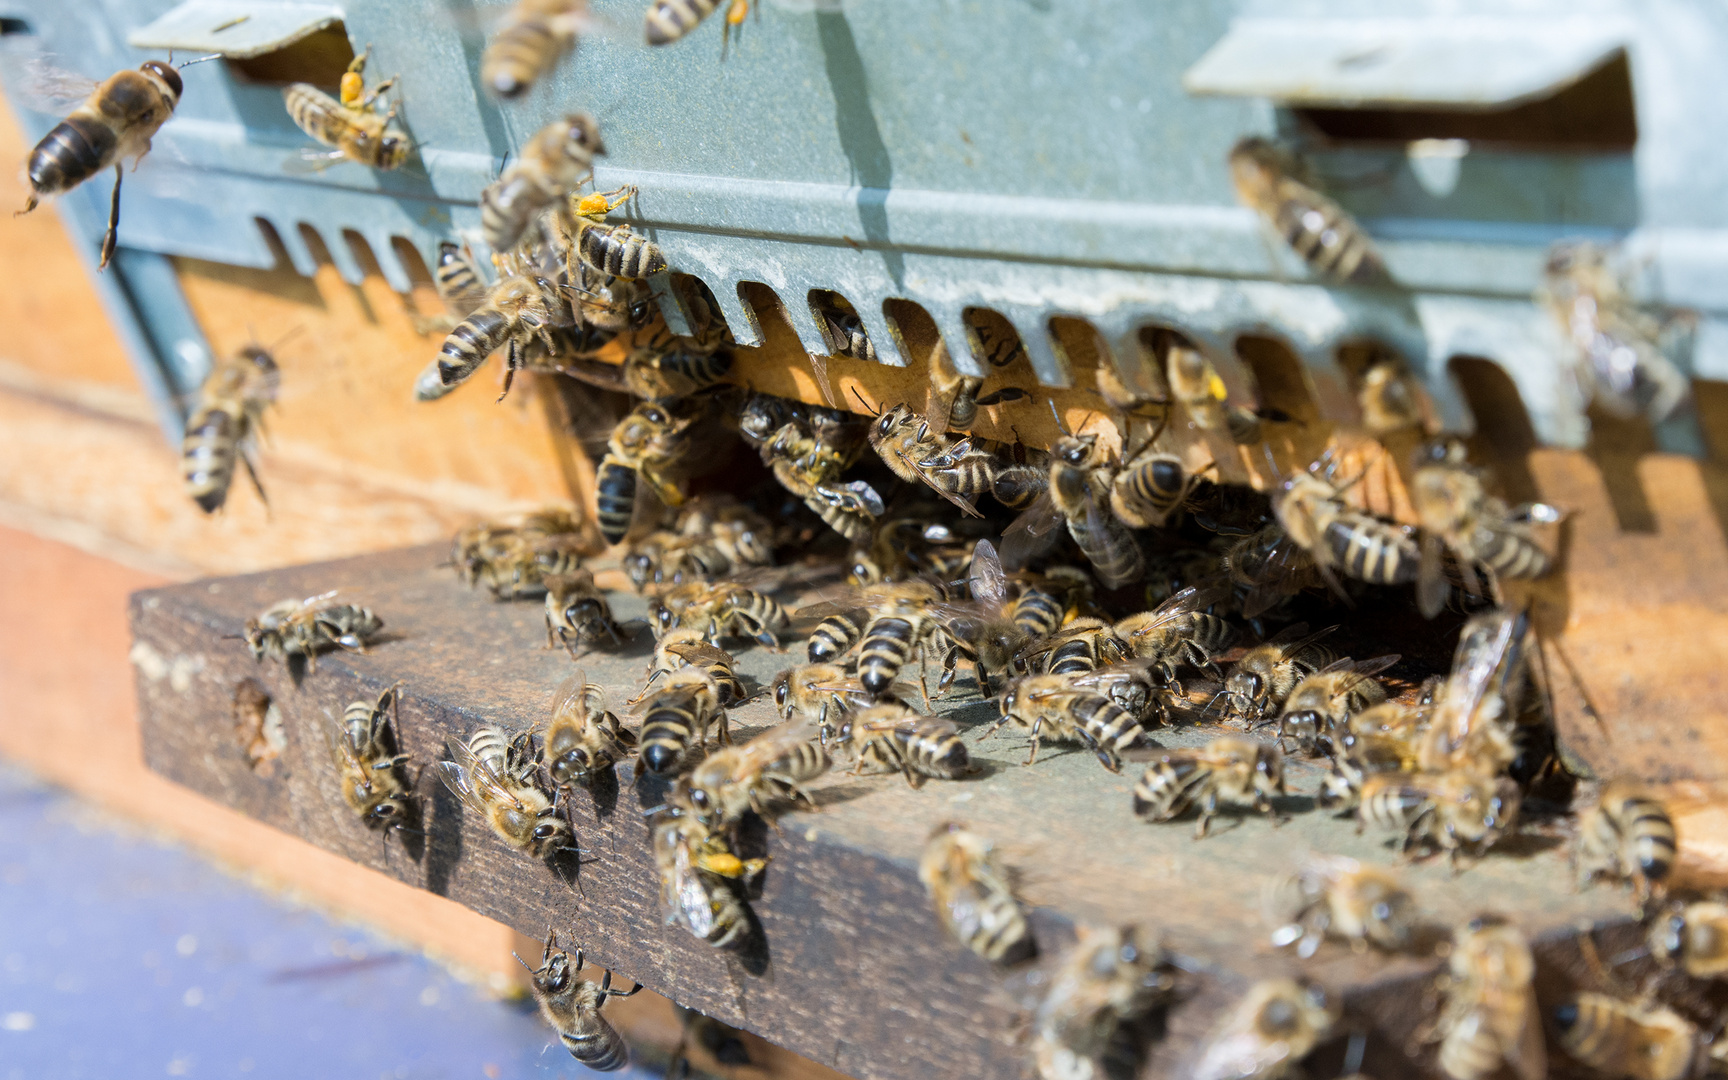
(1098, 591)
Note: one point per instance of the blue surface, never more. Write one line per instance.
(121, 957)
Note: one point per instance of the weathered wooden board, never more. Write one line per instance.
(855, 972)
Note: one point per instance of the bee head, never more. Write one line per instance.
(782, 689)
(165, 72)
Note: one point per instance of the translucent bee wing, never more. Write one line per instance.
(49, 88)
(456, 778)
(1375, 665)
(311, 600)
(700, 652)
(1432, 588)
(475, 781)
(571, 695)
(1032, 533)
(988, 582)
(310, 161)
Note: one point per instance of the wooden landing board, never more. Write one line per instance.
(856, 973)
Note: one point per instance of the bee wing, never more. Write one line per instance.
(1114, 674)
(1432, 588)
(308, 160)
(1032, 533)
(939, 402)
(1243, 1053)
(700, 652)
(1101, 522)
(49, 88)
(989, 584)
(1529, 1057)
(320, 598)
(771, 745)
(570, 695)
(458, 780)
(477, 783)
(336, 736)
(1375, 665)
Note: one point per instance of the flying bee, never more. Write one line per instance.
(535, 35)
(974, 895)
(1179, 631)
(572, 1006)
(1342, 539)
(1226, 771)
(696, 870)
(225, 426)
(1694, 937)
(1271, 567)
(1108, 982)
(769, 769)
(1455, 510)
(368, 767)
(1195, 385)
(1081, 475)
(958, 471)
(1268, 1033)
(495, 776)
(649, 443)
(113, 125)
(1459, 812)
(1342, 898)
(819, 694)
(307, 627)
(1618, 349)
(552, 164)
(890, 738)
(351, 124)
(1628, 836)
(458, 281)
(582, 737)
(611, 249)
(1390, 398)
(670, 20)
(1329, 240)
(676, 719)
(720, 610)
(1490, 1017)
(523, 311)
(577, 613)
(1052, 707)
(686, 647)
(1317, 710)
(1084, 644)
(1261, 681)
(1639, 1041)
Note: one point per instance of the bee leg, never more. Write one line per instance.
(1208, 810)
(252, 473)
(112, 236)
(510, 364)
(1037, 727)
(376, 92)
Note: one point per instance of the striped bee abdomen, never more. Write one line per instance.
(601, 1049)
(1075, 657)
(78, 148)
(1371, 550)
(1112, 550)
(1037, 612)
(669, 20)
(835, 636)
(468, 346)
(1326, 237)
(887, 644)
(615, 498)
(1169, 787)
(207, 458)
(1108, 724)
(518, 56)
(1510, 555)
(667, 732)
(618, 251)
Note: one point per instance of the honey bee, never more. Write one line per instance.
(696, 869)
(1390, 399)
(1084, 644)
(513, 560)
(891, 738)
(1329, 240)
(894, 621)
(1178, 631)
(649, 443)
(611, 249)
(1151, 486)
(1053, 707)
(572, 1006)
(582, 737)
(1317, 710)
(669, 20)
(552, 164)
(769, 769)
(1459, 812)
(535, 35)
(809, 465)
(1629, 836)
(523, 311)
(676, 719)
(983, 630)
(1362, 904)
(1109, 981)
(226, 424)
(307, 627)
(495, 777)
(958, 471)
(1490, 1017)
(1473, 719)
(952, 400)
(350, 124)
(1046, 600)
(1267, 673)
(577, 614)
(913, 546)
(974, 895)
(1226, 771)
(1268, 1033)
(835, 635)
(458, 281)
(1693, 936)
(1638, 1041)
(1455, 510)
(1081, 475)
(686, 647)
(1381, 738)
(367, 765)
(113, 125)
(1618, 347)
(818, 694)
(1342, 539)
(669, 558)
(1271, 567)
(1195, 385)
(665, 370)
(720, 610)
(743, 536)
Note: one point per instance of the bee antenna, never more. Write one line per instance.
(1060, 425)
(873, 411)
(1212, 701)
(652, 810)
(523, 962)
(199, 60)
(1272, 461)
